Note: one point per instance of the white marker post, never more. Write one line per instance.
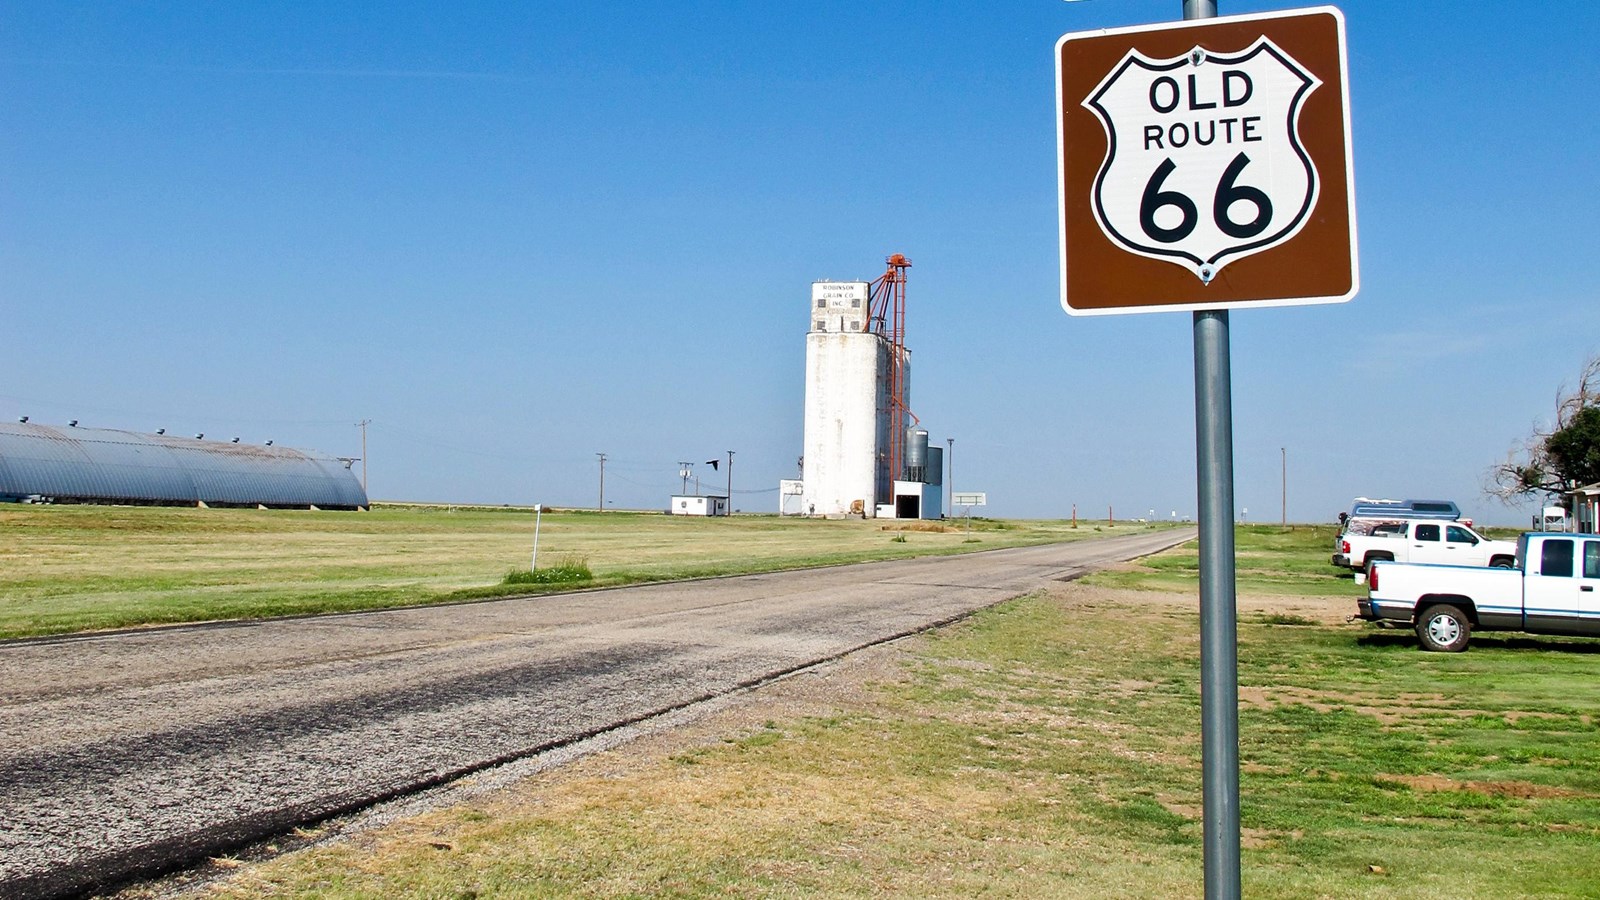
(538, 510)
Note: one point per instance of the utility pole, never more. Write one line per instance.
(950, 474)
(1284, 451)
(602, 506)
(363, 426)
(684, 468)
(730, 482)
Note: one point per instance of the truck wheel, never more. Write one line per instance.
(1443, 629)
(1502, 562)
(1375, 559)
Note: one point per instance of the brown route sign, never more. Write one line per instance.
(1205, 164)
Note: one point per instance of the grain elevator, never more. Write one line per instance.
(862, 454)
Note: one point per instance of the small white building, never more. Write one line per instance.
(707, 505)
(916, 500)
(791, 497)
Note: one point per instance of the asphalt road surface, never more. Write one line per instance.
(130, 754)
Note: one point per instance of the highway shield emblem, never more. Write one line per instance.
(1204, 163)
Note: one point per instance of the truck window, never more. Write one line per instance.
(1426, 533)
(1455, 534)
(1591, 559)
(1555, 558)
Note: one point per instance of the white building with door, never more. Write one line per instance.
(707, 505)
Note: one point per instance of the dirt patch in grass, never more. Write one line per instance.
(921, 525)
(1521, 790)
(1325, 701)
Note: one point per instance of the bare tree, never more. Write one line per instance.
(1557, 458)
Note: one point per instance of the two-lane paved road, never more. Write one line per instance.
(123, 755)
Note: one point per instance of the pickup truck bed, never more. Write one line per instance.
(1487, 584)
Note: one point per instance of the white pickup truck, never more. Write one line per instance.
(1421, 541)
(1553, 589)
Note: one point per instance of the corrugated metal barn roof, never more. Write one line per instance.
(102, 464)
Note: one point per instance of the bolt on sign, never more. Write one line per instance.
(1205, 164)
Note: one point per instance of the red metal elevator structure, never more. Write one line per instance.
(887, 317)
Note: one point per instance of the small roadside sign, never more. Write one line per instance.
(977, 498)
(1205, 165)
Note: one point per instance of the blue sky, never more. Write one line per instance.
(514, 235)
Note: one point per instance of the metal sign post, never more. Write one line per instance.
(1205, 166)
(1219, 659)
(1219, 634)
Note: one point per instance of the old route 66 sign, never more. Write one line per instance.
(1203, 162)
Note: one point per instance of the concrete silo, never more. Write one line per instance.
(846, 407)
(858, 457)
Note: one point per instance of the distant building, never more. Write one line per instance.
(708, 505)
(863, 454)
(791, 497)
(1585, 501)
(103, 465)
(848, 416)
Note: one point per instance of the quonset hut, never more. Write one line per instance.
(103, 465)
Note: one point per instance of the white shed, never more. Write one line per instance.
(791, 497)
(708, 505)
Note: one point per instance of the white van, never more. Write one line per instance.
(1551, 518)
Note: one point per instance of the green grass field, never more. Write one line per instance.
(1049, 747)
(73, 568)
(1269, 559)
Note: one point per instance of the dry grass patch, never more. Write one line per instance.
(1519, 789)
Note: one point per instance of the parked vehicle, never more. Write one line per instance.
(1368, 508)
(1420, 541)
(1552, 589)
(1551, 518)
